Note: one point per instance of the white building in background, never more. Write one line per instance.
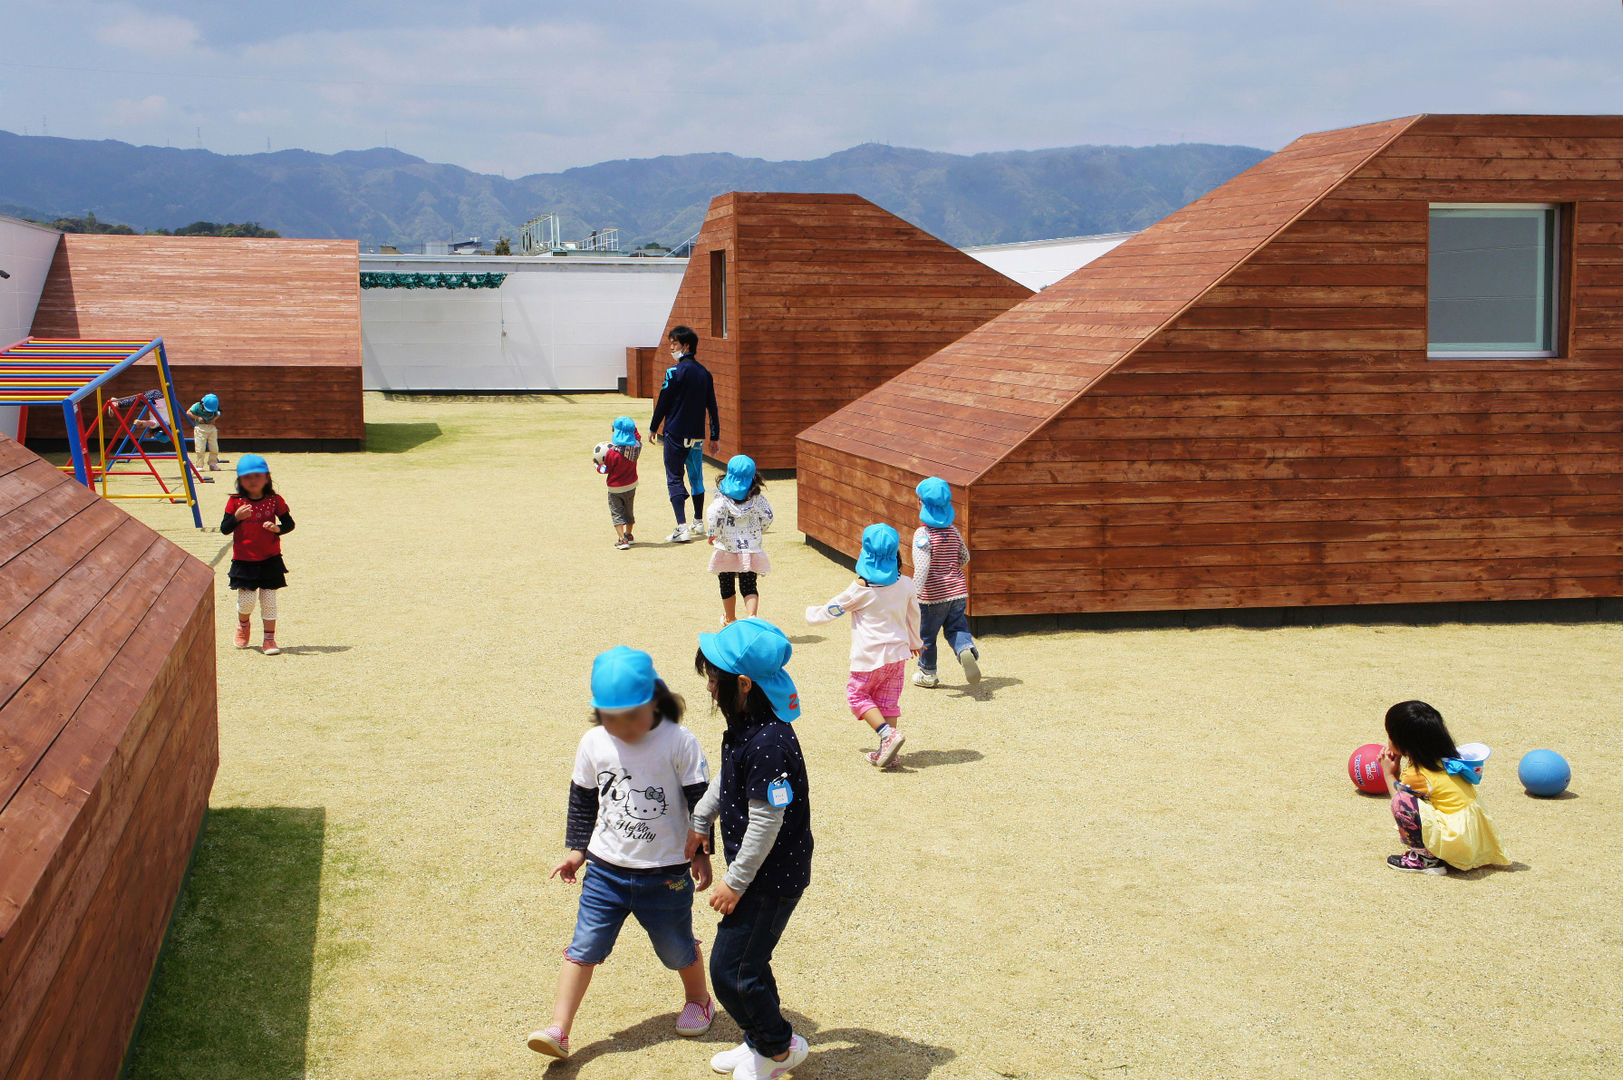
(1037, 264)
(558, 323)
(26, 251)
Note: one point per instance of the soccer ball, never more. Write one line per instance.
(599, 452)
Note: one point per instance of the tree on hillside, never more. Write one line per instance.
(88, 224)
(211, 228)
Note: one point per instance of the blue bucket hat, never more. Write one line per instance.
(935, 503)
(756, 648)
(625, 431)
(251, 463)
(211, 403)
(622, 679)
(740, 475)
(878, 565)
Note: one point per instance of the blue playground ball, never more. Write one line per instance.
(1544, 773)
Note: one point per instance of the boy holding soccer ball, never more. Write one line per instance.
(617, 461)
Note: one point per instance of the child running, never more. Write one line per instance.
(256, 519)
(205, 432)
(735, 521)
(939, 558)
(619, 466)
(1434, 802)
(884, 633)
(761, 796)
(632, 766)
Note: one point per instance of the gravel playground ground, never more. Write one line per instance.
(1126, 854)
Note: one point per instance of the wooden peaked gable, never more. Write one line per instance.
(960, 411)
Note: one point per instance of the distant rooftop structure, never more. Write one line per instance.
(543, 235)
(1037, 264)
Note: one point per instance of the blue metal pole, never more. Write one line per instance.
(70, 418)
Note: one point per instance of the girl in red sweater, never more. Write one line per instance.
(256, 519)
(617, 461)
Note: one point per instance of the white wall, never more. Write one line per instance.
(25, 254)
(1037, 264)
(554, 324)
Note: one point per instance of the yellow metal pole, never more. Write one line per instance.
(101, 440)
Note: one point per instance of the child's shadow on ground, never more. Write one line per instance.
(1488, 871)
(986, 689)
(929, 759)
(845, 1051)
(313, 650)
(807, 639)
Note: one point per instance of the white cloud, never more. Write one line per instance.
(129, 111)
(143, 32)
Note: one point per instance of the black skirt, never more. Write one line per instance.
(268, 573)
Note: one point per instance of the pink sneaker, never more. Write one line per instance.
(888, 748)
(241, 640)
(550, 1041)
(696, 1019)
(271, 648)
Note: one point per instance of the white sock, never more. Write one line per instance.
(884, 732)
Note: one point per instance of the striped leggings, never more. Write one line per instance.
(267, 603)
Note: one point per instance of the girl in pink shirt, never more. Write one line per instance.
(884, 635)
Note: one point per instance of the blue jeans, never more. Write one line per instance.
(664, 906)
(949, 617)
(741, 970)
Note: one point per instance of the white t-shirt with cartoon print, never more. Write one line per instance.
(642, 816)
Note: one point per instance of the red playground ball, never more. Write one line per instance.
(1365, 769)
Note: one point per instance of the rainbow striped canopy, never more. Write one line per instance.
(50, 371)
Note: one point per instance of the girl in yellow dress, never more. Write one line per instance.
(1434, 802)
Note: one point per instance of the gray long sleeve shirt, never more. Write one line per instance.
(759, 836)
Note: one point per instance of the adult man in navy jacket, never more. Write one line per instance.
(688, 396)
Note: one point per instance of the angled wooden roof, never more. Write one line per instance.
(959, 411)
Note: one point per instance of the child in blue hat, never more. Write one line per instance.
(205, 432)
(638, 774)
(761, 797)
(939, 558)
(737, 517)
(256, 519)
(617, 461)
(884, 635)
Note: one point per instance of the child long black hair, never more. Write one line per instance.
(756, 487)
(756, 706)
(667, 706)
(267, 493)
(1418, 732)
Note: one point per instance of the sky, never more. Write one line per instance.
(517, 88)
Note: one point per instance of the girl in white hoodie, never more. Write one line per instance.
(737, 517)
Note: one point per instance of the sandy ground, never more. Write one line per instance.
(1125, 854)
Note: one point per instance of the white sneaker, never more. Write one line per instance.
(972, 666)
(926, 679)
(698, 528)
(728, 1060)
(680, 535)
(756, 1067)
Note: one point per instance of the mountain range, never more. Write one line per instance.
(385, 196)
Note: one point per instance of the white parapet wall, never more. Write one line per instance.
(554, 323)
(26, 251)
(1037, 264)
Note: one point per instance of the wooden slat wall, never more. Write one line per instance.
(1287, 442)
(640, 361)
(108, 723)
(828, 297)
(717, 350)
(272, 326)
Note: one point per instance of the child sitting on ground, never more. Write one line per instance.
(939, 558)
(884, 633)
(638, 774)
(1435, 801)
(737, 517)
(761, 797)
(619, 465)
(205, 432)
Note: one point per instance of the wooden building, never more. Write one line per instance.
(272, 326)
(803, 303)
(108, 747)
(1384, 365)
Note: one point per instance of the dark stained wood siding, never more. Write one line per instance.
(1283, 440)
(272, 326)
(828, 297)
(108, 723)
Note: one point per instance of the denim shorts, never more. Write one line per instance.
(663, 905)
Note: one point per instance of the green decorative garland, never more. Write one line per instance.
(431, 281)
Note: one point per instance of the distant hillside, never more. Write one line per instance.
(385, 196)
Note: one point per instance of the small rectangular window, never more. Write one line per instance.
(1492, 280)
(718, 293)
